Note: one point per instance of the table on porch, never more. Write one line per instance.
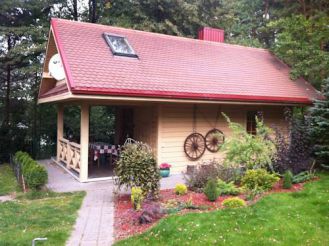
(100, 149)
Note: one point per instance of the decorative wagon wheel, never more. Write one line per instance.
(214, 139)
(194, 146)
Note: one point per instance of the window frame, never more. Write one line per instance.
(251, 124)
(108, 41)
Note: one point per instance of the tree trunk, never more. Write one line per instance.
(92, 11)
(303, 6)
(5, 133)
(35, 135)
(75, 10)
(6, 119)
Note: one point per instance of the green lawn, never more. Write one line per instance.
(37, 214)
(7, 180)
(279, 219)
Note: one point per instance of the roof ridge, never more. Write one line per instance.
(163, 35)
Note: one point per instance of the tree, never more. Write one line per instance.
(320, 126)
(23, 34)
(247, 150)
(302, 44)
(175, 17)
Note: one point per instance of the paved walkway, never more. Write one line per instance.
(94, 225)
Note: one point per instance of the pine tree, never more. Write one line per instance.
(320, 126)
(24, 29)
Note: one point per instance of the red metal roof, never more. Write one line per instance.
(173, 67)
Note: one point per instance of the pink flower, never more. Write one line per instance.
(165, 166)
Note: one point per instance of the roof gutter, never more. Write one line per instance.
(191, 96)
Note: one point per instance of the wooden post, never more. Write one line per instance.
(84, 142)
(60, 126)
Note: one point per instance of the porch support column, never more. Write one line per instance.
(60, 126)
(84, 142)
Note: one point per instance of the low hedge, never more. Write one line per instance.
(35, 175)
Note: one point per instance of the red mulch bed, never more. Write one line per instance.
(126, 218)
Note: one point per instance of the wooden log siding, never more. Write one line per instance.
(176, 123)
(145, 126)
(70, 154)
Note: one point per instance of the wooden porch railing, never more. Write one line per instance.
(69, 154)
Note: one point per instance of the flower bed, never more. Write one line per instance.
(126, 219)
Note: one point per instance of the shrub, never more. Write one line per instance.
(294, 151)
(211, 190)
(246, 150)
(137, 167)
(287, 180)
(151, 212)
(231, 173)
(212, 169)
(180, 189)
(259, 179)
(227, 188)
(320, 126)
(203, 172)
(303, 176)
(136, 197)
(234, 202)
(35, 175)
(251, 194)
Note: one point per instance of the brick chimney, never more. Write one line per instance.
(211, 34)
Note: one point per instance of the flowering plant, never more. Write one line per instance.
(165, 166)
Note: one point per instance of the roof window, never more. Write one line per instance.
(119, 45)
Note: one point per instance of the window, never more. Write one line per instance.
(251, 122)
(119, 45)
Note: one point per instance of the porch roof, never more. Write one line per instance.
(172, 67)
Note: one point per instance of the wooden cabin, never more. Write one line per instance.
(163, 88)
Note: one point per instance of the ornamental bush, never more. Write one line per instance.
(203, 172)
(211, 190)
(320, 126)
(294, 150)
(227, 188)
(259, 179)
(137, 197)
(180, 189)
(234, 202)
(35, 175)
(250, 151)
(287, 180)
(137, 167)
(303, 177)
(212, 169)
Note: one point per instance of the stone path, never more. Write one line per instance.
(94, 225)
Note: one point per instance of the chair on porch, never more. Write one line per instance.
(113, 158)
(90, 157)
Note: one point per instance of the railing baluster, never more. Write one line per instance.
(70, 154)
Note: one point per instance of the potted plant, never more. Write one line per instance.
(164, 169)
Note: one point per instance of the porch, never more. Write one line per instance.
(89, 148)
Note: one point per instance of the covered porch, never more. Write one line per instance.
(90, 156)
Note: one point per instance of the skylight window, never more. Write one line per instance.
(119, 45)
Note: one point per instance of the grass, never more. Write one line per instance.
(8, 182)
(36, 214)
(279, 219)
(51, 216)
